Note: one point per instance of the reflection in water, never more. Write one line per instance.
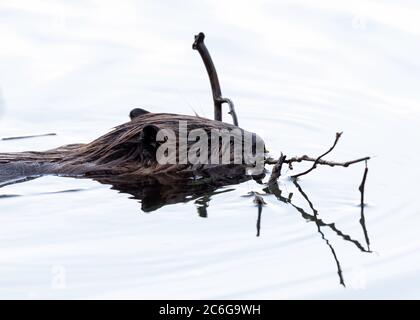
(160, 190)
(156, 192)
(274, 189)
(259, 201)
(318, 225)
(8, 180)
(202, 205)
(362, 206)
(259, 220)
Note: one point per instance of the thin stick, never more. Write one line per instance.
(276, 172)
(337, 137)
(27, 137)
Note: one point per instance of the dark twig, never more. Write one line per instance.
(276, 172)
(362, 206)
(27, 137)
(337, 137)
(320, 161)
(214, 80)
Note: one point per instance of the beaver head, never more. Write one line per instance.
(151, 144)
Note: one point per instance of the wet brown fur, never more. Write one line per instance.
(119, 152)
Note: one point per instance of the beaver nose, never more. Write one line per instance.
(137, 112)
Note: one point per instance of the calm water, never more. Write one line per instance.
(297, 73)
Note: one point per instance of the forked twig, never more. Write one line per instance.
(320, 161)
(337, 137)
(276, 172)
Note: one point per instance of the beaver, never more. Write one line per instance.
(128, 151)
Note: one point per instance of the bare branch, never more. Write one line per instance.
(337, 137)
(320, 161)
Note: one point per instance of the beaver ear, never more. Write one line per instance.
(137, 112)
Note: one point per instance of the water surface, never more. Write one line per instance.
(297, 72)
